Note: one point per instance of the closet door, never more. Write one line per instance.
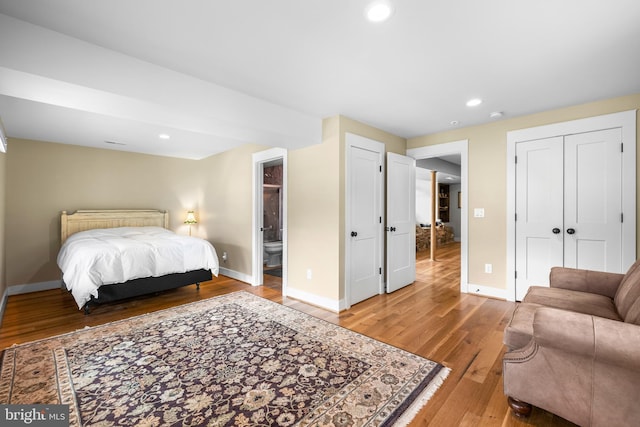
(593, 201)
(568, 206)
(539, 200)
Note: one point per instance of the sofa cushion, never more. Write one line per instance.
(519, 330)
(579, 302)
(594, 282)
(628, 292)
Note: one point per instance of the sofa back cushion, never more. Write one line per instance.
(628, 295)
(633, 315)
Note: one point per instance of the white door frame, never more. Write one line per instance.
(259, 159)
(462, 148)
(353, 140)
(625, 120)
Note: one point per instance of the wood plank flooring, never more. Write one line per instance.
(430, 318)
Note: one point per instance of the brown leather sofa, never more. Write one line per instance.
(574, 348)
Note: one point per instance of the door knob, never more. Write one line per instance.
(354, 234)
(570, 231)
(556, 230)
(393, 229)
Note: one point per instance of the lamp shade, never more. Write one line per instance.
(191, 218)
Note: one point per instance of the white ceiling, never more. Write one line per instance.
(217, 74)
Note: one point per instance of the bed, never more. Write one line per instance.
(110, 255)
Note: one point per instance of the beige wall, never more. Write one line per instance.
(487, 178)
(227, 191)
(313, 215)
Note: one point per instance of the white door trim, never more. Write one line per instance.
(625, 120)
(259, 159)
(353, 140)
(462, 148)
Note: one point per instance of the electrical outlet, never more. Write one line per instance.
(488, 268)
(478, 213)
(224, 256)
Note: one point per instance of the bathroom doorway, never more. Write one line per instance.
(270, 219)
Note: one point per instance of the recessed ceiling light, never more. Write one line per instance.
(496, 114)
(474, 102)
(378, 11)
(164, 136)
(454, 123)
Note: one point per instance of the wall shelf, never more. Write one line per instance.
(443, 202)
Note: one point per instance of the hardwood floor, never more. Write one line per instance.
(430, 318)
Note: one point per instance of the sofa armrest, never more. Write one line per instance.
(605, 340)
(595, 282)
(564, 330)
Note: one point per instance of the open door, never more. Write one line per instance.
(363, 220)
(401, 223)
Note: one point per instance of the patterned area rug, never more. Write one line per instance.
(237, 360)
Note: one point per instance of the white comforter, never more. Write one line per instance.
(89, 259)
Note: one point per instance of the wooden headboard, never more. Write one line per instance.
(82, 220)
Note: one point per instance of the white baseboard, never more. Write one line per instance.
(323, 302)
(487, 291)
(34, 287)
(236, 275)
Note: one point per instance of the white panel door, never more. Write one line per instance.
(401, 224)
(539, 200)
(568, 206)
(593, 201)
(365, 222)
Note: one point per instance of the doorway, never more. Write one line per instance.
(453, 150)
(269, 222)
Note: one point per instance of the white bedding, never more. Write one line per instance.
(92, 258)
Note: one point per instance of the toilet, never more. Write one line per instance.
(273, 253)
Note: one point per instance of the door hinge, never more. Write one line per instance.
(516, 217)
(515, 159)
(380, 270)
(516, 274)
(622, 147)
(380, 220)
(380, 168)
(621, 217)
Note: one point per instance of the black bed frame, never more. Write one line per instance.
(147, 285)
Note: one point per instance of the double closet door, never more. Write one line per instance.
(568, 205)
